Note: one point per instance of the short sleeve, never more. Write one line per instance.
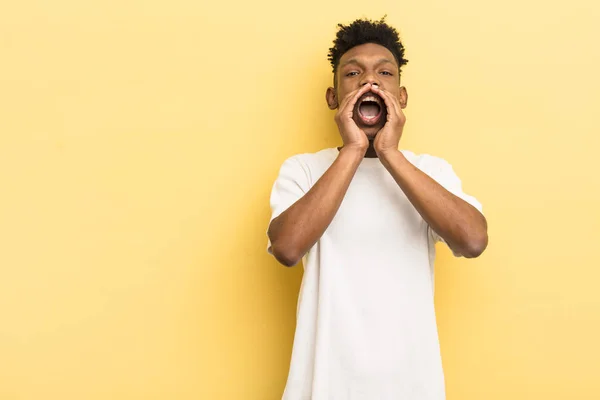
(443, 173)
(291, 184)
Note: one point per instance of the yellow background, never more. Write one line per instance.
(139, 142)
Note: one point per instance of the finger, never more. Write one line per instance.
(353, 97)
(347, 99)
(391, 102)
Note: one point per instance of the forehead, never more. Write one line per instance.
(368, 52)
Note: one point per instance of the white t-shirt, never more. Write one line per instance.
(366, 327)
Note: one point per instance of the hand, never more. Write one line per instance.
(352, 135)
(388, 137)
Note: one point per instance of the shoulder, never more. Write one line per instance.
(430, 164)
(310, 161)
(438, 169)
(325, 155)
(308, 165)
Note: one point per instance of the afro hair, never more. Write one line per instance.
(364, 31)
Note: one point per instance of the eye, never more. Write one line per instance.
(352, 73)
(386, 73)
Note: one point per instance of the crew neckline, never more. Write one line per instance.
(366, 161)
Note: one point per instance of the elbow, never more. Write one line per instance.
(285, 256)
(283, 250)
(475, 246)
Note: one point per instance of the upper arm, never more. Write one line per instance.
(442, 172)
(291, 184)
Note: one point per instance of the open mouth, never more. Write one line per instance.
(370, 108)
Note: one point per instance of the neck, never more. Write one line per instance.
(371, 153)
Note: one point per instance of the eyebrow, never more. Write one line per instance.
(355, 61)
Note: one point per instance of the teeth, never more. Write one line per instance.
(371, 98)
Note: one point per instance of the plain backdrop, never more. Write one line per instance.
(139, 141)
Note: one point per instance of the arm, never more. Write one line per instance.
(460, 224)
(299, 227)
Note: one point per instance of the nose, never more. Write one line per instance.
(369, 78)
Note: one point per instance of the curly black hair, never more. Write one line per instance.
(364, 31)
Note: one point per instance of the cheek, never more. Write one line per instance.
(343, 89)
(396, 92)
(346, 86)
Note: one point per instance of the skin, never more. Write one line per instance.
(364, 68)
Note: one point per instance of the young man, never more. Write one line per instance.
(365, 218)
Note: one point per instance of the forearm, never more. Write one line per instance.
(461, 225)
(298, 228)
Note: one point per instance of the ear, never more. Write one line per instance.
(403, 98)
(331, 98)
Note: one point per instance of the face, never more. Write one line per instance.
(367, 63)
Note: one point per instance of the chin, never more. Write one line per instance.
(371, 131)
